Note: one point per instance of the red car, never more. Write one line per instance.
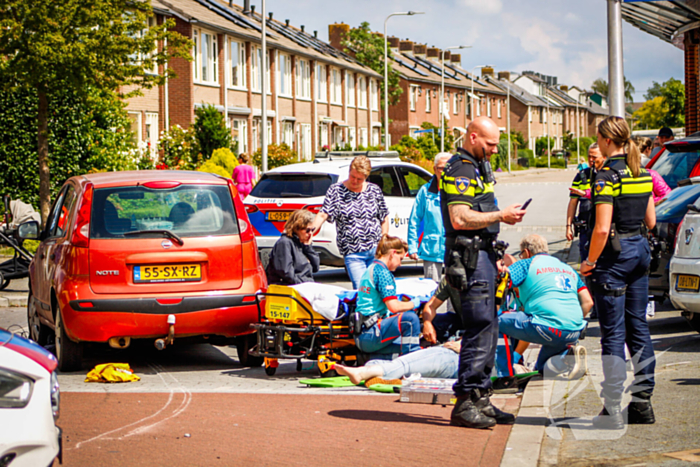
(161, 255)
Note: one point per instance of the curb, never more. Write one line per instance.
(12, 301)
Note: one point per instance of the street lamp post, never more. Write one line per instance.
(442, 92)
(386, 74)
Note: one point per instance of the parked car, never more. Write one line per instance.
(685, 267)
(679, 160)
(286, 189)
(669, 214)
(29, 403)
(157, 255)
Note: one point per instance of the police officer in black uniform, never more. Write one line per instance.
(618, 262)
(580, 224)
(471, 220)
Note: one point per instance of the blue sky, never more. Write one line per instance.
(564, 38)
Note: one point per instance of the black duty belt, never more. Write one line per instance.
(631, 233)
(485, 244)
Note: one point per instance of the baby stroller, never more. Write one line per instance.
(15, 213)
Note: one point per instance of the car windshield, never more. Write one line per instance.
(187, 211)
(675, 164)
(293, 185)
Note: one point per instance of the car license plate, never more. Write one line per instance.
(168, 273)
(278, 216)
(688, 283)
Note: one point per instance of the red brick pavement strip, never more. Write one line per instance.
(255, 429)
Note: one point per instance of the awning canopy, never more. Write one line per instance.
(667, 20)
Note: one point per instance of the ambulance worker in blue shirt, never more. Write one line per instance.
(555, 301)
(385, 336)
(426, 210)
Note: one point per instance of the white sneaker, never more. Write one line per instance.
(580, 363)
(651, 309)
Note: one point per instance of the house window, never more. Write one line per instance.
(323, 135)
(206, 57)
(237, 64)
(350, 89)
(321, 83)
(413, 97)
(363, 137)
(428, 101)
(374, 95)
(352, 137)
(488, 107)
(478, 108)
(239, 132)
(375, 137)
(288, 133)
(285, 75)
(456, 106)
(362, 84)
(336, 89)
(468, 109)
(303, 79)
(256, 76)
(499, 108)
(152, 134)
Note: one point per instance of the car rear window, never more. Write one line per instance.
(293, 185)
(676, 166)
(187, 211)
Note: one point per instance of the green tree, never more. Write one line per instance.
(368, 48)
(541, 145)
(103, 45)
(277, 156)
(601, 87)
(210, 130)
(671, 111)
(449, 137)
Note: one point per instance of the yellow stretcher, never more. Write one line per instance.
(289, 328)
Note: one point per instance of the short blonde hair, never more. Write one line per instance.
(388, 243)
(535, 244)
(362, 164)
(244, 158)
(299, 219)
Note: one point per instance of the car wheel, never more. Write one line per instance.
(243, 345)
(693, 320)
(38, 332)
(69, 353)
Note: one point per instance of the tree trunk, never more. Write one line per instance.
(43, 152)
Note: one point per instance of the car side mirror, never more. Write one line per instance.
(28, 231)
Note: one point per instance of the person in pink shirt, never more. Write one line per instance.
(661, 189)
(243, 176)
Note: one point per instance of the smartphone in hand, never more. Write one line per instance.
(527, 203)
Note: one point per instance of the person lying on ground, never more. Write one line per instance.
(555, 300)
(390, 327)
(434, 362)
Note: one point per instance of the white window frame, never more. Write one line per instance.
(363, 138)
(336, 87)
(238, 73)
(428, 102)
(374, 94)
(284, 80)
(321, 82)
(455, 103)
(478, 108)
(350, 89)
(151, 133)
(303, 79)
(488, 107)
(412, 97)
(499, 109)
(240, 125)
(256, 77)
(352, 137)
(362, 92)
(288, 133)
(375, 137)
(206, 50)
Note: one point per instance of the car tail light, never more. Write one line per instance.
(81, 230)
(251, 208)
(162, 184)
(244, 227)
(315, 208)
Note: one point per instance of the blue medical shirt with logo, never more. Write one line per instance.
(377, 286)
(548, 291)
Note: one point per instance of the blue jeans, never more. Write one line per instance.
(357, 264)
(398, 334)
(554, 341)
(621, 289)
(477, 356)
(433, 362)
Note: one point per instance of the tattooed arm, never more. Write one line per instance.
(464, 218)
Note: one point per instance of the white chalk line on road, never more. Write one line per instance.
(187, 398)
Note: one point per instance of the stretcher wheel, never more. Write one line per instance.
(3, 282)
(299, 366)
(270, 370)
(329, 374)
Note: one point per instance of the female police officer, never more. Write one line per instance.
(618, 261)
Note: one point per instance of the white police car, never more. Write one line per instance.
(285, 189)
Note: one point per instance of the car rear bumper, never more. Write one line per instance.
(140, 318)
(689, 301)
